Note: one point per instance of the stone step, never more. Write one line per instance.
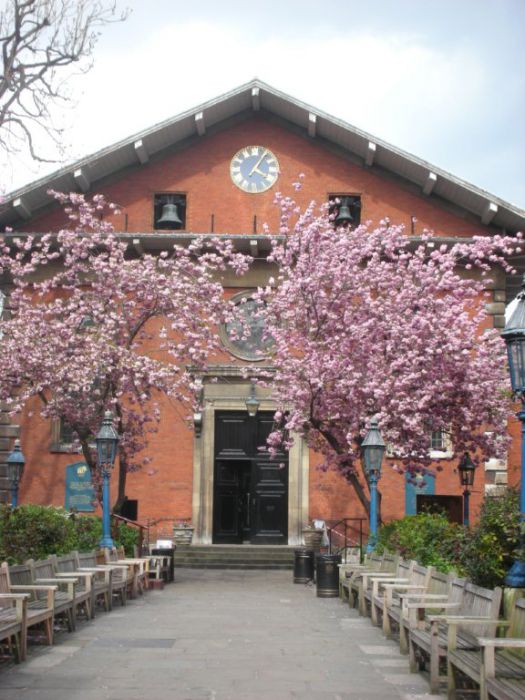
(234, 557)
(236, 566)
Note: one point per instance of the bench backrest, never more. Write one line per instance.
(389, 562)
(4, 585)
(420, 575)
(405, 568)
(440, 583)
(101, 556)
(86, 559)
(43, 568)
(22, 575)
(480, 602)
(66, 563)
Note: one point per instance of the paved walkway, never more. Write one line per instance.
(219, 635)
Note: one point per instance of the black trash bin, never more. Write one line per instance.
(167, 552)
(303, 569)
(327, 575)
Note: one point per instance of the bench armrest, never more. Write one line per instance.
(508, 642)
(33, 588)
(56, 580)
(14, 596)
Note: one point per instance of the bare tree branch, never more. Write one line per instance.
(39, 41)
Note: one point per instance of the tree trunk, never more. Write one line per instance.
(121, 493)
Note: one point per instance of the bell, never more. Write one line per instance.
(170, 215)
(344, 216)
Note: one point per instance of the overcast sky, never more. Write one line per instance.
(443, 79)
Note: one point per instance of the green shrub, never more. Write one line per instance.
(492, 544)
(34, 532)
(88, 532)
(428, 537)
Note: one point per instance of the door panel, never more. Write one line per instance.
(226, 514)
(250, 489)
(269, 502)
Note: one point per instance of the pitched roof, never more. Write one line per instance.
(258, 96)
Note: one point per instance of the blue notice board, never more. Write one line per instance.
(80, 494)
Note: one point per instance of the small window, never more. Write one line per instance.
(169, 212)
(345, 209)
(64, 439)
(440, 444)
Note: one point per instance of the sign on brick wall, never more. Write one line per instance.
(80, 494)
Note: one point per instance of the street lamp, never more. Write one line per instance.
(252, 403)
(15, 467)
(106, 441)
(373, 448)
(514, 336)
(467, 469)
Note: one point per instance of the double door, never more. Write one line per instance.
(250, 489)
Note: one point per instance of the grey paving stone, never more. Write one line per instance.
(220, 635)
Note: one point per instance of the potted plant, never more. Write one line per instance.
(183, 532)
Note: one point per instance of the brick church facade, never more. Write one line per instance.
(190, 161)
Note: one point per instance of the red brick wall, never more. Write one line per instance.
(202, 172)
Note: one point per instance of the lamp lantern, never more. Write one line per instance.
(252, 403)
(15, 468)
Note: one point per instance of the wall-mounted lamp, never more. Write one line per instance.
(252, 403)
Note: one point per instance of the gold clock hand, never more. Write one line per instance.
(256, 166)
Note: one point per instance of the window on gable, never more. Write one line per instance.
(64, 439)
(169, 211)
(345, 209)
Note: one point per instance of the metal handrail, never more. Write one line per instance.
(133, 523)
(345, 536)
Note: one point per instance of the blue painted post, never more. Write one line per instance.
(466, 508)
(14, 495)
(516, 575)
(373, 479)
(106, 540)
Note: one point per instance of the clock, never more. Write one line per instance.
(254, 169)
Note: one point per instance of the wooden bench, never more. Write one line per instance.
(369, 587)
(64, 603)
(159, 567)
(501, 673)
(119, 575)
(372, 562)
(439, 590)
(140, 566)
(102, 578)
(430, 639)
(387, 567)
(65, 566)
(41, 602)
(109, 557)
(390, 596)
(71, 587)
(13, 618)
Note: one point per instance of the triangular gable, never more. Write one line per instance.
(257, 96)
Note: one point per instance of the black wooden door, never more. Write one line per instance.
(250, 489)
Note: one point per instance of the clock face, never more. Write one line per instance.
(254, 169)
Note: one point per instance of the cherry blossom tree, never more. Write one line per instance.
(368, 322)
(93, 328)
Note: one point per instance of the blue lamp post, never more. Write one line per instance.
(106, 441)
(15, 467)
(467, 469)
(373, 448)
(514, 336)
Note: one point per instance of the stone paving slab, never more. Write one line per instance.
(220, 635)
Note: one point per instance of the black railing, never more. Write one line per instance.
(346, 533)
